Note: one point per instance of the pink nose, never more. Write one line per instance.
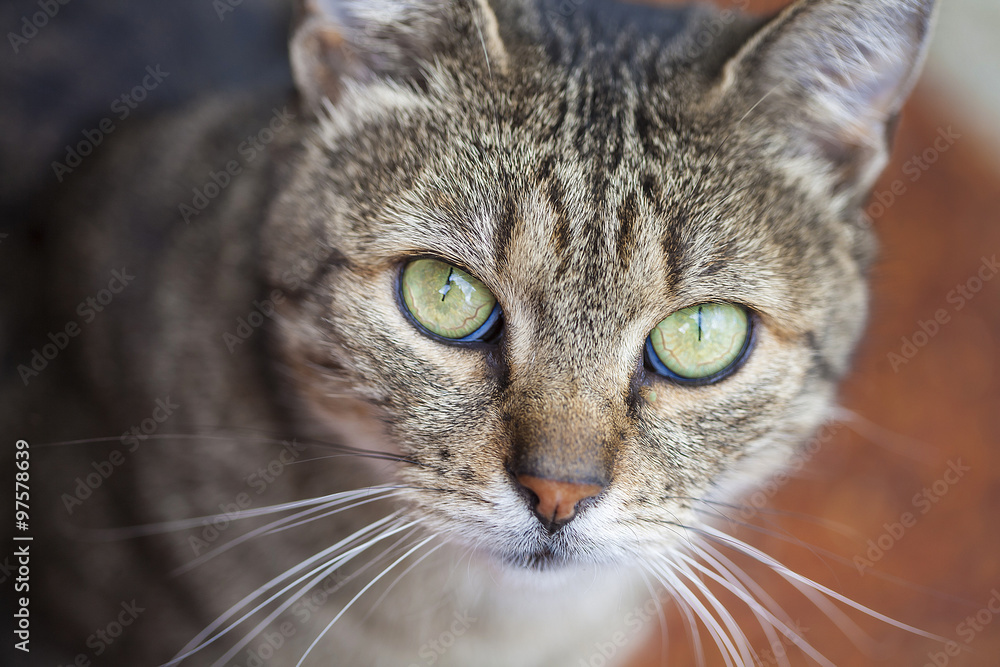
(557, 501)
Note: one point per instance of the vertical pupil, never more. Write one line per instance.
(426, 285)
(447, 284)
(711, 350)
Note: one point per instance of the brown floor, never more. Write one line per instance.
(940, 407)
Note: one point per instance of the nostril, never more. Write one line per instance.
(553, 501)
(529, 495)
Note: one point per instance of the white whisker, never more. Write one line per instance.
(402, 574)
(707, 618)
(326, 511)
(735, 633)
(362, 592)
(690, 625)
(273, 527)
(162, 527)
(730, 570)
(664, 631)
(199, 642)
(851, 629)
(896, 443)
(321, 572)
(761, 614)
(804, 583)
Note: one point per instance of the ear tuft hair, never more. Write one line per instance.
(334, 41)
(836, 73)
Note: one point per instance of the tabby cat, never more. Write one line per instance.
(440, 358)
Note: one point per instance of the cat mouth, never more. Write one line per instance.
(544, 559)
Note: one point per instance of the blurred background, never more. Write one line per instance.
(920, 435)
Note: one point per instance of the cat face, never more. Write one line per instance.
(595, 184)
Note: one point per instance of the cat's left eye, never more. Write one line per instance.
(700, 344)
(447, 301)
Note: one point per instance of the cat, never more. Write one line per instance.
(440, 357)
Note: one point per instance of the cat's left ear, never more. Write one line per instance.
(336, 43)
(834, 74)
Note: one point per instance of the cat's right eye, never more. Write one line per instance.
(448, 302)
(700, 344)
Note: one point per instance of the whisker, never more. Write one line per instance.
(839, 528)
(788, 538)
(782, 535)
(664, 630)
(762, 614)
(331, 512)
(896, 443)
(324, 570)
(346, 449)
(399, 578)
(850, 629)
(725, 139)
(495, 106)
(772, 511)
(690, 625)
(723, 564)
(755, 593)
(198, 642)
(275, 526)
(792, 577)
(159, 528)
(707, 618)
(821, 554)
(735, 633)
(362, 592)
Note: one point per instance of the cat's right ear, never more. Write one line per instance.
(832, 75)
(337, 43)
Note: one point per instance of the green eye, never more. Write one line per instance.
(448, 302)
(699, 342)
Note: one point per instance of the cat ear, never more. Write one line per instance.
(337, 41)
(835, 74)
